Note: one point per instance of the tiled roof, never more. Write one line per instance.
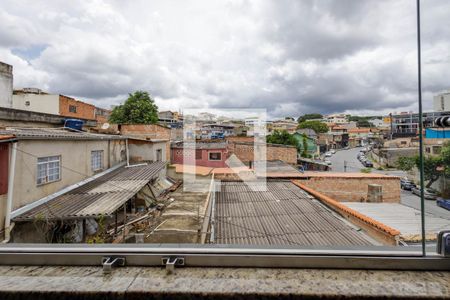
(101, 196)
(282, 215)
(6, 137)
(56, 133)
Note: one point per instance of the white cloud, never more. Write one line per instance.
(290, 56)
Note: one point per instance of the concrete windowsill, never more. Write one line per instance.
(207, 283)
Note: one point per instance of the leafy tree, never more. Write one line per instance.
(406, 163)
(309, 117)
(317, 126)
(139, 108)
(281, 137)
(430, 165)
(363, 123)
(304, 152)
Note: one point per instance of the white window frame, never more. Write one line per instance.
(96, 162)
(44, 164)
(214, 152)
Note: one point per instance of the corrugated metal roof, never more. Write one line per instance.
(101, 196)
(282, 215)
(57, 133)
(199, 145)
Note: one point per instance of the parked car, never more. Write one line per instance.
(429, 194)
(333, 151)
(406, 184)
(328, 154)
(327, 161)
(346, 147)
(368, 164)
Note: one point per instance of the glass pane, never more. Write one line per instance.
(261, 123)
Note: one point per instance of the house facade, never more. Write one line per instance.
(211, 155)
(48, 160)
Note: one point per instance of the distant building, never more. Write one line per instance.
(6, 85)
(170, 119)
(285, 125)
(36, 100)
(335, 118)
(378, 123)
(407, 124)
(441, 101)
(216, 131)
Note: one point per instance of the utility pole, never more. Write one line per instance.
(345, 166)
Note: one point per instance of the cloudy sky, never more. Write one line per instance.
(289, 57)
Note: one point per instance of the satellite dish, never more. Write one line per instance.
(105, 126)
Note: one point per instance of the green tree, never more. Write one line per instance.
(281, 137)
(317, 126)
(363, 123)
(139, 108)
(406, 163)
(430, 166)
(304, 152)
(309, 117)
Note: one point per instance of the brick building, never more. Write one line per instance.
(211, 155)
(36, 100)
(245, 152)
(150, 132)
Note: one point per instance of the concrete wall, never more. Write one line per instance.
(75, 165)
(6, 85)
(42, 103)
(146, 151)
(354, 189)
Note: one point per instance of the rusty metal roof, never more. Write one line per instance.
(284, 214)
(102, 196)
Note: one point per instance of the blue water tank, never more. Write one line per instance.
(75, 124)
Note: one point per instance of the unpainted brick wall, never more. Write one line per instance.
(245, 152)
(354, 189)
(84, 110)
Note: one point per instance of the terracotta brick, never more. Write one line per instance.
(83, 110)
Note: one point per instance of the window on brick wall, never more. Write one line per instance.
(72, 108)
(215, 156)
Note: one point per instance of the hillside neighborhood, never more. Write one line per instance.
(73, 172)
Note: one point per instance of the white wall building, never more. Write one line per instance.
(6, 85)
(441, 101)
(336, 118)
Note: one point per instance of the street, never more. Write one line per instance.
(348, 158)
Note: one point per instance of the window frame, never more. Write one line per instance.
(47, 163)
(101, 160)
(72, 109)
(390, 258)
(214, 152)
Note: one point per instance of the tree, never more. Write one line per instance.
(363, 123)
(430, 166)
(139, 108)
(309, 117)
(317, 126)
(305, 147)
(281, 137)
